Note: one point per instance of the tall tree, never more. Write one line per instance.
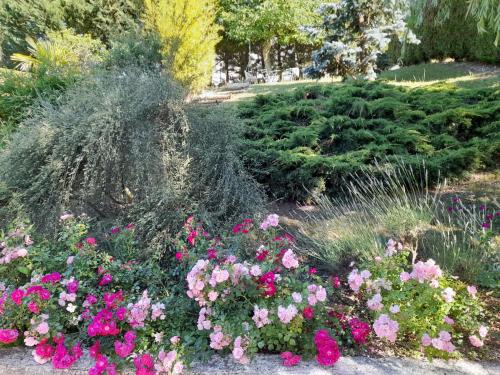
(266, 22)
(189, 35)
(355, 32)
(486, 13)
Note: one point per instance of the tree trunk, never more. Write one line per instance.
(266, 55)
(280, 62)
(226, 65)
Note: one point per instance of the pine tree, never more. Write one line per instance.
(355, 32)
(189, 35)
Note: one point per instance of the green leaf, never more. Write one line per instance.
(24, 270)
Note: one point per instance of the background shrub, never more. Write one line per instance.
(457, 36)
(52, 65)
(102, 148)
(311, 139)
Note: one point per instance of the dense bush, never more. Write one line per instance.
(310, 140)
(115, 140)
(424, 307)
(118, 146)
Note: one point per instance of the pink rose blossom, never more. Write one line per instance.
(472, 290)
(483, 331)
(476, 341)
(286, 314)
(394, 309)
(405, 276)
(290, 260)
(8, 336)
(426, 340)
(386, 327)
(449, 320)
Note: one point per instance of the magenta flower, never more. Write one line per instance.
(17, 296)
(212, 253)
(359, 330)
(308, 312)
(51, 278)
(8, 336)
(106, 279)
(115, 230)
(290, 359)
(336, 282)
(91, 241)
(123, 349)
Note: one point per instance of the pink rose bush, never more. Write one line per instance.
(418, 301)
(266, 298)
(54, 312)
(273, 303)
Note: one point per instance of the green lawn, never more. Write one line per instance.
(462, 75)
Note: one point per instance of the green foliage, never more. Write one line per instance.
(188, 34)
(104, 147)
(22, 18)
(53, 64)
(310, 140)
(101, 19)
(221, 187)
(450, 31)
(423, 309)
(135, 48)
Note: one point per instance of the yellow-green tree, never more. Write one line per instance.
(189, 35)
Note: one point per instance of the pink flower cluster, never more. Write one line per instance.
(144, 365)
(239, 351)
(356, 279)
(260, 316)
(427, 271)
(392, 247)
(442, 342)
(316, 294)
(328, 352)
(218, 340)
(290, 359)
(271, 220)
(448, 295)
(61, 357)
(286, 314)
(476, 341)
(124, 348)
(375, 303)
(8, 255)
(169, 363)
(290, 260)
(386, 327)
(138, 312)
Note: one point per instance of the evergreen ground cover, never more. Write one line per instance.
(310, 140)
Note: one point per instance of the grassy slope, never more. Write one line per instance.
(464, 75)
